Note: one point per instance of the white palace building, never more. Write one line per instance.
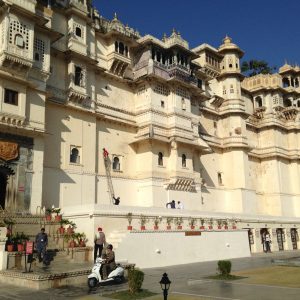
(176, 123)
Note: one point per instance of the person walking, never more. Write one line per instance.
(99, 242)
(41, 242)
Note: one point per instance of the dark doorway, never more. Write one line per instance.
(294, 238)
(263, 233)
(251, 238)
(3, 182)
(280, 238)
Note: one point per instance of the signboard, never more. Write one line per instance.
(192, 233)
(8, 151)
(29, 247)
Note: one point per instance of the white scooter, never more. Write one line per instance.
(117, 275)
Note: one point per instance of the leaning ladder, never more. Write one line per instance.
(108, 177)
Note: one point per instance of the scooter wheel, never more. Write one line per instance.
(119, 279)
(92, 282)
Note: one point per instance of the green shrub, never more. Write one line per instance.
(135, 280)
(224, 267)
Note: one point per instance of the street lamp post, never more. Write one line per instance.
(165, 285)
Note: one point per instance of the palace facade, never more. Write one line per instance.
(177, 124)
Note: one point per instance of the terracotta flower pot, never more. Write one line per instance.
(210, 227)
(72, 244)
(225, 227)
(202, 227)
(155, 227)
(143, 227)
(129, 227)
(61, 230)
(233, 227)
(10, 248)
(70, 231)
(179, 227)
(168, 227)
(48, 218)
(20, 247)
(219, 227)
(58, 218)
(81, 244)
(192, 227)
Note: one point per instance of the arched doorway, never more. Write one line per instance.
(5, 172)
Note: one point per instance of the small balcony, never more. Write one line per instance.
(118, 63)
(290, 113)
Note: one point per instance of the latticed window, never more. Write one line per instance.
(39, 50)
(78, 30)
(161, 89)
(18, 34)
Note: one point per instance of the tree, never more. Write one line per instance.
(254, 67)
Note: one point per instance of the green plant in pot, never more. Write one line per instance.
(71, 228)
(169, 220)
(129, 219)
(143, 221)
(202, 221)
(219, 222)
(48, 214)
(157, 220)
(9, 222)
(81, 239)
(178, 221)
(58, 217)
(62, 222)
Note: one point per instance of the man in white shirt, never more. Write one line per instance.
(180, 205)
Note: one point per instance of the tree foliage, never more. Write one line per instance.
(254, 67)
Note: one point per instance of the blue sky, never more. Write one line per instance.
(264, 29)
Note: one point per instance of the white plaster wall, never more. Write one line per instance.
(176, 248)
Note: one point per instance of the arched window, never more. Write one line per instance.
(160, 159)
(19, 41)
(285, 82)
(121, 48)
(74, 156)
(116, 164)
(183, 160)
(116, 46)
(78, 76)
(78, 31)
(258, 102)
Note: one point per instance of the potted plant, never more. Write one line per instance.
(48, 214)
(225, 222)
(178, 221)
(192, 222)
(72, 238)
(10, 246)
(202, 223)
(129, 219)
(58, 217)
(21, 242)
(219, 222)
(9, 222)
(169, 221)
(210, 223)
(71, 227)
(143, 221)
(62, 222)
(81, 239)
(234, 224)
(157, 221)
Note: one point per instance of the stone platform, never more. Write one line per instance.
(58, 275)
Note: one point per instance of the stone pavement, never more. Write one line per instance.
(187, 280)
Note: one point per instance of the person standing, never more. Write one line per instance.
(109, 264)
(173, 204)
(99, 242)
(41, 242)
(180, 205)
(268, 242)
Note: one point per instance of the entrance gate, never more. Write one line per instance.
(280, 238)
(294, 238)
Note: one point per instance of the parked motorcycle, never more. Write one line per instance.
(117, 275)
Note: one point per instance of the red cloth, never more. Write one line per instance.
(105, 152)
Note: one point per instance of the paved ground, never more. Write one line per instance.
(187, 280)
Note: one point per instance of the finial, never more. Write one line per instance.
(178, 32)
(164, 37)
(115, 16)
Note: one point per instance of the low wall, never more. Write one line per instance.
(148, 249)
